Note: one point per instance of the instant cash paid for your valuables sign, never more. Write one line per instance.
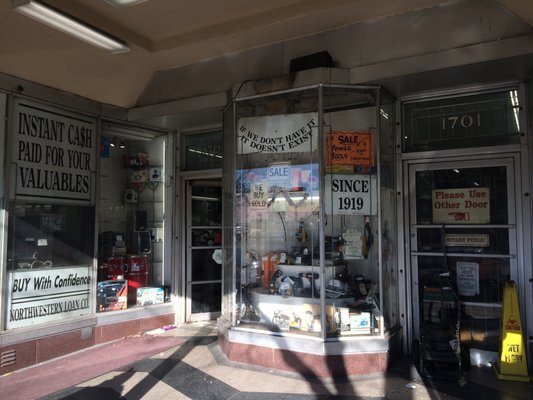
(54, 153)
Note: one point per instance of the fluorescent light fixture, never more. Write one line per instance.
(69, 25)
(124, 3)
(205, 153)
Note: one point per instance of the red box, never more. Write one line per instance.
(136, 267)
(111, 268)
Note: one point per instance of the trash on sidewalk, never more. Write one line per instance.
(160, 330)
(410, 385)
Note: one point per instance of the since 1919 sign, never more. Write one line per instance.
(351, 194)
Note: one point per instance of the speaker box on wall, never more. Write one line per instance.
(141, 243)
(140, 221)
(316, 60)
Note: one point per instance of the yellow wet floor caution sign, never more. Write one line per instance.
(513, 362)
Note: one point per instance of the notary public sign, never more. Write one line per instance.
(54, 152)
(45, 295)
(278, 133)
(466, 240)
(461, 206)
(350, 148)
(350, 194)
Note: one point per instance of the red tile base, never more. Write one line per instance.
(316, 365)
(25, 354)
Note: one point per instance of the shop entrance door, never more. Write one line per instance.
(463, 220)
(204, 250)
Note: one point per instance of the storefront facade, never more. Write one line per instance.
(258, 177)
(84, 227)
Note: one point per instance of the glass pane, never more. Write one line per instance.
(489, 119)
(351, 207)
(464, 240)
(462, 196)
(389, 268)
(206, 237)
(47, 236)
(204, 267)
(206, 206)
(205, 298)
(202, 151)
(49, 263)
(287, 253)
(131, 223)
(478, 286)
(277, 204)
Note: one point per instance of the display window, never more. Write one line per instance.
(51, 213)
(309, 244)
(50, 262)
(131, 221)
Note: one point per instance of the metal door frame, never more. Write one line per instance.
(214, 180)
(509, 156)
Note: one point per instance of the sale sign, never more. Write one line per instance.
(461, 206)
(350, 148)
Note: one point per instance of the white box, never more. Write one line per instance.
(150, 295)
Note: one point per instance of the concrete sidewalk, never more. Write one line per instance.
(186, 363)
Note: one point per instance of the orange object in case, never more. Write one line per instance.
(269, 262)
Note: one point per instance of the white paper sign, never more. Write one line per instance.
(461, 206)
(467, 278)
(278, 133)
(54, 152)
(279, 175)
(44, 295)
(258, 197)
(351, 194)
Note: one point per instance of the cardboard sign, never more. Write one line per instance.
(278, 133)
(351, 194)
(350, 148)
(461, 206)
(258, 197)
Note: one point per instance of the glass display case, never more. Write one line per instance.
(310, 214)
(131, 223)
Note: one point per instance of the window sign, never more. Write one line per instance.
(278, 133)
(45, 295)
(350, 148)
(54, 152)
(351, 194)
(467, 278)
(461, 206)
(466, 240)
(259, 197)
(279, 175)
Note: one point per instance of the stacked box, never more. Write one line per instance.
(150, 295)
(112, 295)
